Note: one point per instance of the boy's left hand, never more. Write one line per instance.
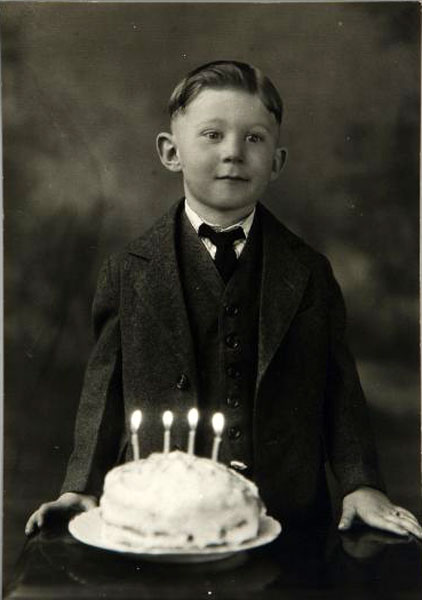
(375, 509)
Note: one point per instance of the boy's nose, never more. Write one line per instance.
(232, 150)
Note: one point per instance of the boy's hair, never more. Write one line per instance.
(226, 74)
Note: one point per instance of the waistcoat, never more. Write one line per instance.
(224, 326)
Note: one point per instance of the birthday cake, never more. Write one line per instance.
(178, 500)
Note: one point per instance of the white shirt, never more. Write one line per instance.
(245, 224)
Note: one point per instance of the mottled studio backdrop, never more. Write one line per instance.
(85, 88)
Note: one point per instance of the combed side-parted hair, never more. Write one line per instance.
(226, 74)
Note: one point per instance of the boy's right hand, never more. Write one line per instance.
(69, 502)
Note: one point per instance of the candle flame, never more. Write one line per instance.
(135, 420)
(167, 419)
(193, 417)
(218, 423)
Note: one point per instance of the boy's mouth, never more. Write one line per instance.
(232, 178)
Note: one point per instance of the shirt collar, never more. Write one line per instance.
(196, 220)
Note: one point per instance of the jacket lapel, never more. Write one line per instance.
(159, 287)
(284, 279)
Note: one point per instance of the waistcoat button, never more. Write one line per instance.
(234, 433)
(183, 382)
(232, 341)
(233, 401)
(231, 310)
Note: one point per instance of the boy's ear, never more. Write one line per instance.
(168, 152)
(279, 160)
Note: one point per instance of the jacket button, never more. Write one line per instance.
(232, 341)
(233, 372)
(234, 433)
(183, 382)
(233, 401)
(231, 310)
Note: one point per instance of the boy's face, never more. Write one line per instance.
(226, 145)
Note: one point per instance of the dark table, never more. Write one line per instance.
(317, 563)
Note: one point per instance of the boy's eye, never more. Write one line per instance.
(212, 135)
(254, 138)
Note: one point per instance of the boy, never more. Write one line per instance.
(220, 306)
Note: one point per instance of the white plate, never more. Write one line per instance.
(86, 527)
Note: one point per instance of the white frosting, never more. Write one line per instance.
(178, 501)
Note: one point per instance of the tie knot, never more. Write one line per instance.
(221, 239)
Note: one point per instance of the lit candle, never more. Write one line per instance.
(218, 426)
(135, 421)
(167, 422)
(193, 416)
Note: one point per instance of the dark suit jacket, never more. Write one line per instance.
(308, 403)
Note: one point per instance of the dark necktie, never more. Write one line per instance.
(225, 257)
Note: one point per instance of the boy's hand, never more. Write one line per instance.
(375, 509)
(68, 502)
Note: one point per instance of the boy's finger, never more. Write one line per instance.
(402, 518)
(36, 520)
(383, 523)
(406, 523)
(30, 525)
(42, 512)
(401, 514)
(39, 519)
(406, 513)
(414, 530)
(346, 517)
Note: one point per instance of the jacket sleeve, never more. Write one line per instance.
(349, 439)
(100, 425)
